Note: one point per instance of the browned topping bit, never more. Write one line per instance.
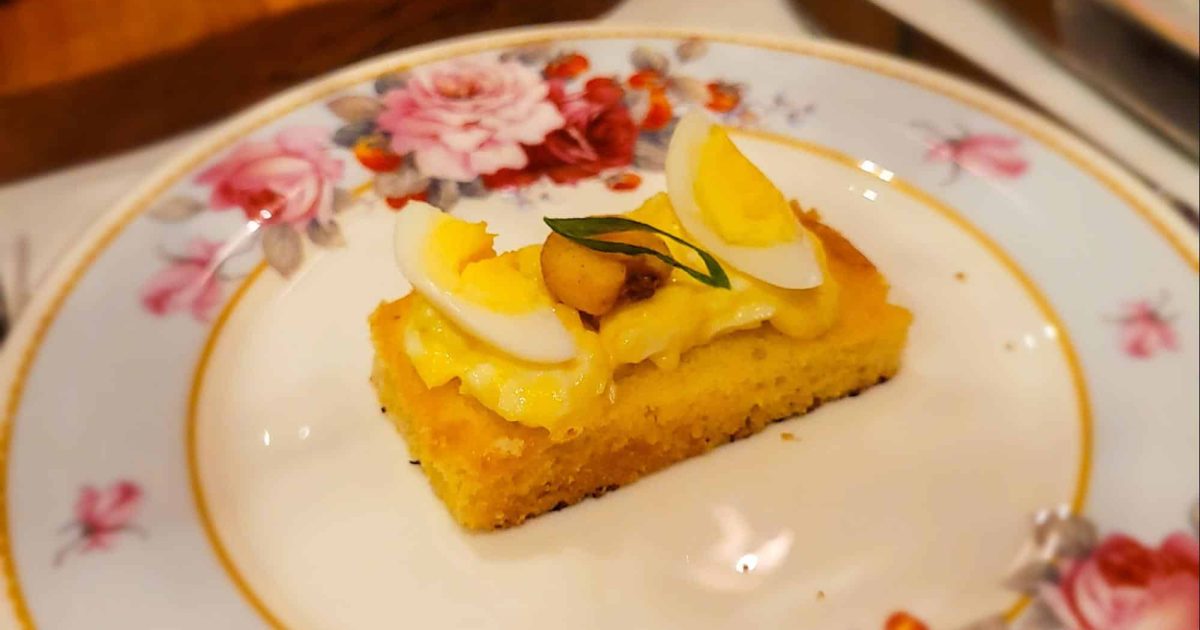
(595, 282)
(960, 276)
(590, 322)
(802, 214)
(787, 437)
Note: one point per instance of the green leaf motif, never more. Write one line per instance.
(582, 230)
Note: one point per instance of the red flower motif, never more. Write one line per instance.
(188, 282)
(647, 80)
(1145, 329)
(723, 97)
(1125, 585)
(398, 203)
(984, 154)
(374, 153)
(903, 621)
(652, 109)
(623, 181)
(659, 111)
(100, 515)
(566, 66)
(598, 135)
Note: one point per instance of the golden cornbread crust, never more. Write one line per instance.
(492, 473)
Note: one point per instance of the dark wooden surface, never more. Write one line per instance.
(83, 78)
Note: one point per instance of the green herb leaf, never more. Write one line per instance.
(581, 231)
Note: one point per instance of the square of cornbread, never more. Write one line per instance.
(492, 473)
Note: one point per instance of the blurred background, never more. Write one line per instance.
(95, 93)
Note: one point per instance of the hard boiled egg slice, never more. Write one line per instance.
(451, 263)
(731, 209)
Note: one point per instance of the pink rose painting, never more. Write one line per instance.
(1124, 585)
(468, 117)
(189, 283)
(987, 155)
(101, 514)
(285, 180)
(285, 187)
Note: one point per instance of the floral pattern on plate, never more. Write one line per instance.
(1125, 584)
(1147, 328)
(1078, 582)
(101, 515)
(991, 155)
(190, 282)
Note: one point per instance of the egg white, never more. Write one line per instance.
(536, 335)
(790, 265)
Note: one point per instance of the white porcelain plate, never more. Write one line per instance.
(190, 440)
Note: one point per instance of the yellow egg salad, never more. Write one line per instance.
(536, 334)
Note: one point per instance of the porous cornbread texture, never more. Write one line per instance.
(492, 473)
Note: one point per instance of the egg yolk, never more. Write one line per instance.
(451, 246)
(460, 259)
(511, 283)
(736, 200)
(533, 394)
